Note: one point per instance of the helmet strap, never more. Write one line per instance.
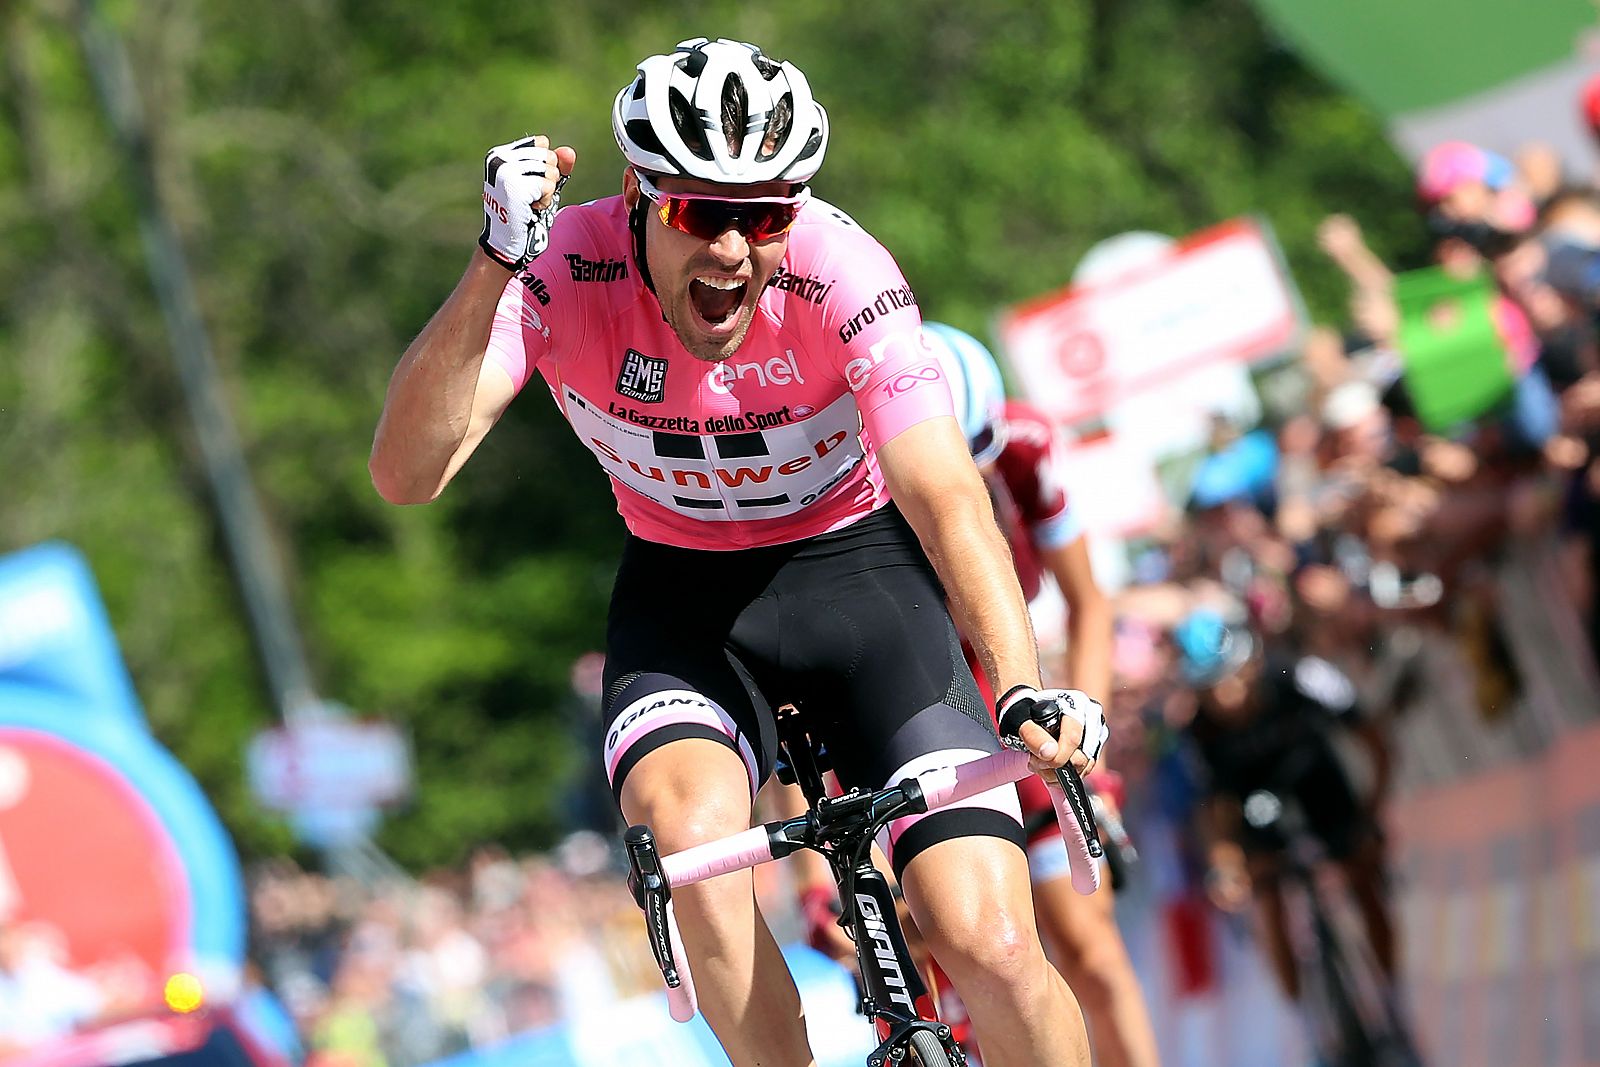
(637, 221)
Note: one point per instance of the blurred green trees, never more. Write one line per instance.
(322, 160)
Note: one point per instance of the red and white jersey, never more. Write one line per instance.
(1031, 505)
(772, 445)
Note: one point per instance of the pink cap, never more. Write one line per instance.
(1449, 165)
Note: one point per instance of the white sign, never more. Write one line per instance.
(1222, 296)
(1175, 418)
(1117, 486)
(330, 764)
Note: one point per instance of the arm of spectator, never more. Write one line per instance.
(1372, 302)
(1372, 739)
(1340, 238)
(1377, 315)
(1580, 405)
(1296, 516)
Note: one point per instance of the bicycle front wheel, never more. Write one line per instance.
(927, 1051)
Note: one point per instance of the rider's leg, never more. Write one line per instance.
(971, 899)
(1364, 871)
(1267, 887)
(695, 790)
(1088, 948)
(1349, 834)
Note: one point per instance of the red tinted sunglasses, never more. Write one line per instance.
(709, 217)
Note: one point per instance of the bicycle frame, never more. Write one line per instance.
(842, 829)
(893, 994)
(1364, 1028)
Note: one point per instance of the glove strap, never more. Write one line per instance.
(1012, 712)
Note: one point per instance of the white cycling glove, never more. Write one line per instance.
(516, 177)
(1046, 707)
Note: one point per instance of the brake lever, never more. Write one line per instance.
(1077, 795)
(652, 893)
(1072, 786)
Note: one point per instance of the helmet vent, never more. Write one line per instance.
(735, 112)
(642, 134)
(694, 61)
(779, 124)
(766, 67)
(686, 120)
(813, 143)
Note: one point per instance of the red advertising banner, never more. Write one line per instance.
(1500, 911)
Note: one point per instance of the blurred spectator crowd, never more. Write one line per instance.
(406, 973)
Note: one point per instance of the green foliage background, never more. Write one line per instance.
(322, 160)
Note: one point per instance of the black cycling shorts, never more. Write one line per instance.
(849, 626)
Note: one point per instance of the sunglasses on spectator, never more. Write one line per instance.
(708, 217)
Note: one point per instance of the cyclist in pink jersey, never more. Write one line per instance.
(747, 366)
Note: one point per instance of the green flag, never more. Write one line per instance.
(1495, 72)
(1456, 363)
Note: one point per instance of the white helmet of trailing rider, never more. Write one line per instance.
(975, 385)
(722, 112)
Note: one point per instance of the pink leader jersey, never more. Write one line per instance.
(771, 445)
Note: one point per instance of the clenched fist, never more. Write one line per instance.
(521, 192)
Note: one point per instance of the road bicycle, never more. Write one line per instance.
(1353, 1017)
(842, 828)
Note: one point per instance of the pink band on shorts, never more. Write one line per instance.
(1002, 798)
(670, 707)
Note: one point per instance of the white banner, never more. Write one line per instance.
(330, 764)
(1115, 487)
(1222, 296)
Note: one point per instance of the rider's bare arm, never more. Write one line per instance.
(444, 396)
(932, 478)
(1090, 618)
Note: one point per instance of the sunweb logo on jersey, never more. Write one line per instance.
(642, 378)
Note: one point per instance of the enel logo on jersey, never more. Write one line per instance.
(779, 370)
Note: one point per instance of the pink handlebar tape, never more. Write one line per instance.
(723, 856)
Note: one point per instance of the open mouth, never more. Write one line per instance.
(716, 300)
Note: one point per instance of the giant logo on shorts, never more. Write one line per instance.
(642, 378)
(760, 473)
(680, 700)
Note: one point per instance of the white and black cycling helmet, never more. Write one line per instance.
(722, 112)
(976, 387)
